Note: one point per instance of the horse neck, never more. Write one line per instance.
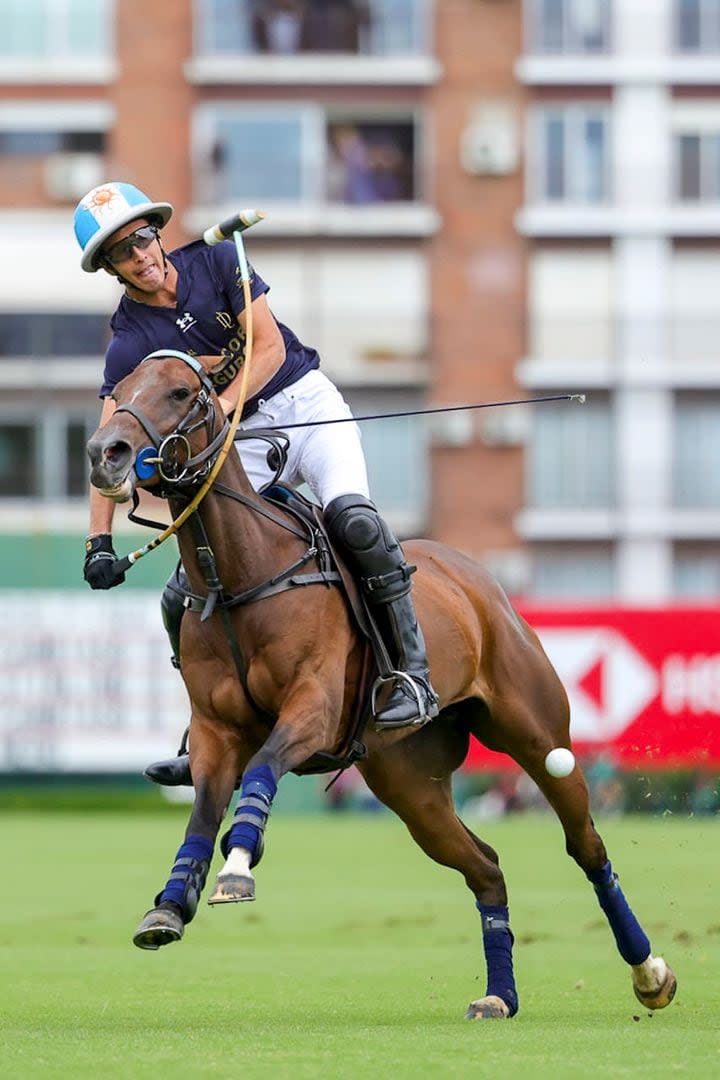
(248, 548)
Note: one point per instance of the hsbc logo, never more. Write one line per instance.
(608, 682)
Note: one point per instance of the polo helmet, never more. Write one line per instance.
(107, 208)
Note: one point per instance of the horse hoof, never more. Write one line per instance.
(232, 889)
(159, 927)
(658, 999)
(488, 1008)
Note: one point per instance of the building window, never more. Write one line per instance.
(696, 571)
(305, 153)
(18, 459)
(568, 572)
(401, 489)
(570, 154)
(56, 334)
(293, 27)
(56, 29)
(571, 463)
(698, 166)
(697, 26)
(44, 456)
(571, 293)
(568, 26)
(370, 162)
(39, 143)
(696, 482)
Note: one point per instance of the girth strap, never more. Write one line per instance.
(262, 592)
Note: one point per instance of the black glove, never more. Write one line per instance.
(99, 571)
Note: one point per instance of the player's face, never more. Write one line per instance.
(135, 254)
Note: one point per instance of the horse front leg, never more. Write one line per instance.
(215, 765)
(301, 730)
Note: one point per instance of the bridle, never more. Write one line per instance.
(170, 456)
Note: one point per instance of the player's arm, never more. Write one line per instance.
(100, 556)
(102, 510)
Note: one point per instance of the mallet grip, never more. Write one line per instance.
(121, 565)
(237, 223)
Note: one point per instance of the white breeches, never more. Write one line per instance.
(329, 459)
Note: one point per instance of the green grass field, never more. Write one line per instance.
(358, 958)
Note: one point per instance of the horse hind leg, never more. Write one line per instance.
(653, 981)
(413, 780)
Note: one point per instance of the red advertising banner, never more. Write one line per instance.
(644, 684)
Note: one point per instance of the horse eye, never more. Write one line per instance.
(180, 394)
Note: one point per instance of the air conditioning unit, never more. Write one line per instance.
(489, 142)
(451, 429)
(70, 176)
(506, 426)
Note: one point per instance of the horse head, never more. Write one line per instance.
(162, 433)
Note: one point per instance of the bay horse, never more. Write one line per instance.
(275, 676)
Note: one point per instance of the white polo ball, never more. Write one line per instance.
(560, 762)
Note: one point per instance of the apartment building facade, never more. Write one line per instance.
(467, 200)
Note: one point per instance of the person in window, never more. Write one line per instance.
(191, 299)
(279, 26)
(351, 177)
(336, 26)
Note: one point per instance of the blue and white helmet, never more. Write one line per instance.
(106, 209)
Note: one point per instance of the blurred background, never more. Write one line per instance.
(467, 200)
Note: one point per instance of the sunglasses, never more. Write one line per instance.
(142, 238)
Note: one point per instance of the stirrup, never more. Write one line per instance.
(427, 707)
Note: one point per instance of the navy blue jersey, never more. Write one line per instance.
(202, 323)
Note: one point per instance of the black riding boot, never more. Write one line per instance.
(375, 552)
(173, 772)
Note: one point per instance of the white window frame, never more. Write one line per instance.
(598, 582)
(571, 46)
(701, 471)
(709, 166)
(55, 44)
(313, 119)
(709, 11)
(557, 495)
(574, 116)
(50, 439)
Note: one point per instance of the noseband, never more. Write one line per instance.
(172, 458)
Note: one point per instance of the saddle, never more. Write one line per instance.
(376, 661)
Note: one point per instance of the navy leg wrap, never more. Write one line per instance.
(251, 814)
(188, 875)
(498, 943)
(632, 941)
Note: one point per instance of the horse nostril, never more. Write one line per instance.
(117, 452)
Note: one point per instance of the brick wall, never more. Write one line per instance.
(478, 275)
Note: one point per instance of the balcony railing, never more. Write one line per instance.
(684, 342)
(379, 28)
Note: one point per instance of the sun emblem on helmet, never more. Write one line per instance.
(100, 198)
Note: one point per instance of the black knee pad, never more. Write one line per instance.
(368, 542)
